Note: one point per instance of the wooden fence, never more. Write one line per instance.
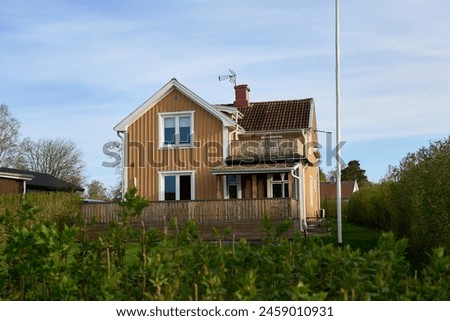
(244, 216)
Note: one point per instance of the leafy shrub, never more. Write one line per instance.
(330, 207)
(372, 206)
(41, 262)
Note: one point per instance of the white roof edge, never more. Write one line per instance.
(160, 94)
(312, 111)
(24, 177)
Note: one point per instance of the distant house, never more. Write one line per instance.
(178, 147)
(13, 183)
(328, 190)
(23, 181)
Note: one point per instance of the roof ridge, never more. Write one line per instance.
(279, 100)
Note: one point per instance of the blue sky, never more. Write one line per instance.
(74, 69)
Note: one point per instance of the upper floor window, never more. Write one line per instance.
(176, 129)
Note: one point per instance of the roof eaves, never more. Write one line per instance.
(18, 176)
(163, 92)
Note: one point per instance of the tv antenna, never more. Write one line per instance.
(231, 77)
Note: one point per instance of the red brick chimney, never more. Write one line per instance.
(242, 96)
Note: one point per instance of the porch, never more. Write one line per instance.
(242, 217)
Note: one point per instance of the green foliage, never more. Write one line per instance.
(354, 172)
(413, 202)
(58, 207)
(330, 207)
(42, 262)
(422, 191)
(372, 206)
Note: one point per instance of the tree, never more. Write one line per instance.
(97, 191)
(9, 136)
(354, 172)
(57, 157)
(422, 195)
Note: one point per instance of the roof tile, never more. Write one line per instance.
(276, 115)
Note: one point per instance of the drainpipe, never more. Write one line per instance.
(300, 198)
(124, 171)
(305, 152)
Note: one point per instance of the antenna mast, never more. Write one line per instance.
(231, 77)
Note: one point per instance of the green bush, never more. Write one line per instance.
(330, 207)
(42, 262)
(58, 207)
(372, 206)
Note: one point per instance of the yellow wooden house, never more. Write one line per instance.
(179, 147)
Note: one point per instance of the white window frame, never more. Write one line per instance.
(176, 115)
(270, 182)
(311, 190)
(238, 186)
(177, 175)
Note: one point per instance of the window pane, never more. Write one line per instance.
(169, 136)
(169, 130)
(185, 187)
(169, 122)
(185, 130)
(276, 177)
(232, 179)
(286, 190)
(277, 190)
(185, 121)
(169, 188)
(232, 191)
(185, 135)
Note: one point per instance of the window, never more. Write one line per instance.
(279, 185)
(176, 186)
(176, 129)
(233, 187)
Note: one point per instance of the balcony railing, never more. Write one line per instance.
(271, 148)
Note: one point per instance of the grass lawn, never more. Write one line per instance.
(355, 235)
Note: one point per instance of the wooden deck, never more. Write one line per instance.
(244, 217)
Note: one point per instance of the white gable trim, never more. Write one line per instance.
(163, 92)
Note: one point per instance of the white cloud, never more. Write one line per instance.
(97, 63)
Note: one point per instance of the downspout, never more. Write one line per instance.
(300, 207)
(226, 151)
(305, 154)
(124, 161)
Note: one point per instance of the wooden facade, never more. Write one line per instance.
(146, 159)
(11, 186)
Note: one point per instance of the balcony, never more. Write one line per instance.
(271, 149)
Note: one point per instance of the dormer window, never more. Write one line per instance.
(176, 129)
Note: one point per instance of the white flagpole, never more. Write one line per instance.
(338, 132)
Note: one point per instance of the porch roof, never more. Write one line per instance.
(259, 168)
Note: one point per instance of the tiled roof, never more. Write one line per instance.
(276, 115)
(45, 182)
